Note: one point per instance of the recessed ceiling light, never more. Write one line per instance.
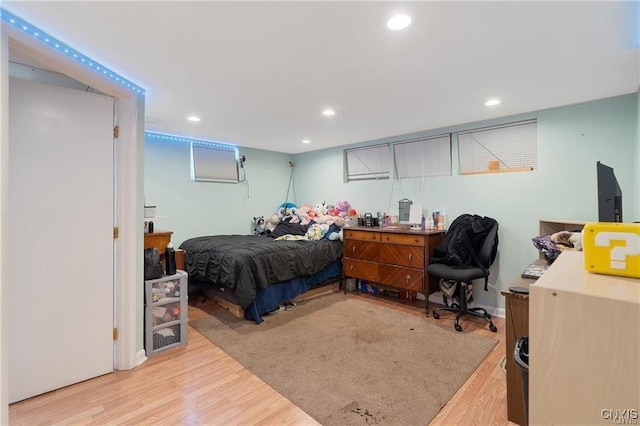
(492, 102)
(306, 141)
(328, 112)
(193, 118)
(398, 22)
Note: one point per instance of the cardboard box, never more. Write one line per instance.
(612, 248)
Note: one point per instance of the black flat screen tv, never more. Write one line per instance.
(609, 195)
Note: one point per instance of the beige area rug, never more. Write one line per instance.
(346, 361)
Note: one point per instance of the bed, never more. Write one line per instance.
(259, 273)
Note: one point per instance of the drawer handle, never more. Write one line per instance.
(410, 256)
(408, 278)
(351, 267)
(353, 249)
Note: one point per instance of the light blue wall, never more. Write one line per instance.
(570, 141)
(192, 209)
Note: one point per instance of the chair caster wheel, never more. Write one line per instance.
(457, 327)
(436, 315)
(493, 328)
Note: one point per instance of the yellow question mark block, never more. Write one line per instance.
(612, 248)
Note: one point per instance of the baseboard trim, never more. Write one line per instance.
(141, 356)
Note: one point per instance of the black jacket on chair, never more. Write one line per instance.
(463, 240)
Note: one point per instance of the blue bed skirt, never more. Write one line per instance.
(273, 296)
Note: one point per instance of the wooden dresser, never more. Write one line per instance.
(394, 257)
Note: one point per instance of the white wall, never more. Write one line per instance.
(4, 227)
(130, 116)
(570, 141)
(193, 209)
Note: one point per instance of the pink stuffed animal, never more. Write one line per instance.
(342, 207)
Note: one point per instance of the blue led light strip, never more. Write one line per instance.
(189, 140)
(61, 47)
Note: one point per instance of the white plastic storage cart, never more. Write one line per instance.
(165, 312)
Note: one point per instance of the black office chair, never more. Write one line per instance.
(465, 253)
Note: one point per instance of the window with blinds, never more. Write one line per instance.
(368, 163)
(512, 147)
(423, 157)
(213, 163)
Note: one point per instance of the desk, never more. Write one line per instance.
(584, 362)
(517, 322)
(517, 325)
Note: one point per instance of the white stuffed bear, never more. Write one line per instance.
(320, 209)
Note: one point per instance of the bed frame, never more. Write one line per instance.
(236, 310)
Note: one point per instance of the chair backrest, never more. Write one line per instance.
(489, 249)
(465, 241)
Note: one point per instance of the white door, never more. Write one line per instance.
(60, 250)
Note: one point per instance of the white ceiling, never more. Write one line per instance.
(260, 73)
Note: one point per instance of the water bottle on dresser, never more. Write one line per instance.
(170, 260)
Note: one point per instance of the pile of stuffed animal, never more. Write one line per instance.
(317, 221)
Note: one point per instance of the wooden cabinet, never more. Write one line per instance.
(157, 239)
(517, 325)
(517, 322)
(584, 351)
(548, 227)
(394, 257)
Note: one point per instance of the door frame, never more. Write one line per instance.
(129, 185)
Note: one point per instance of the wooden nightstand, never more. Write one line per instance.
(159, 240)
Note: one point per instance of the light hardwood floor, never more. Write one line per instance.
(200, 384)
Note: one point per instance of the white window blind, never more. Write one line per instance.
(371, 162)
(213, 163)
(514, 147)
(423, 157)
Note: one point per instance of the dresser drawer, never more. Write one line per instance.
(359, 249)
(362, 269)
(351, 234)
(394, 254)
(396, 276)
(408, 239)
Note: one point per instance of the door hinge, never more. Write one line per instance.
(116, 232)
(116, 132)
(115, 334)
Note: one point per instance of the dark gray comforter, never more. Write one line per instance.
(250, 263)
